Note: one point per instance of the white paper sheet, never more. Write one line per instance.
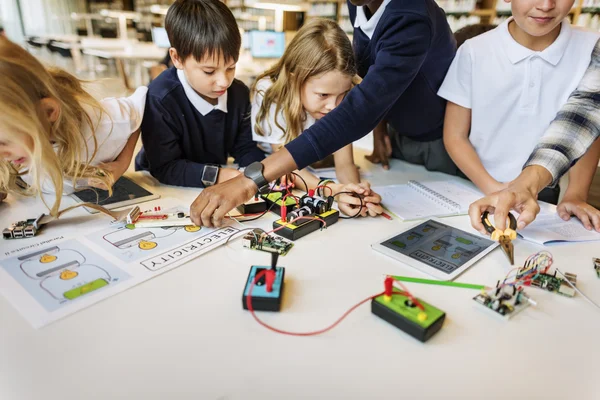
(50, 278)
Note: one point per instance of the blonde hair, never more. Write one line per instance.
(24, 83)
(320, 46)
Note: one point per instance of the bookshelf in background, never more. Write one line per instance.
(250, 18)
(589, 14)
(323, 9)
(336, 10)
(344, 18)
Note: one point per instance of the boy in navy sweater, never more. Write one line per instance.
(196, 113)
(403, 49)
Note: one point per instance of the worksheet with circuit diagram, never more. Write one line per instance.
(49, 277)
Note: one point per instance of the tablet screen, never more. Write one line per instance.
(124, 190)
(440, 246)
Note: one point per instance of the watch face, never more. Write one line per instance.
(253, 169)
(210, 174)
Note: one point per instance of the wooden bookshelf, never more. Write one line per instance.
(248, 17)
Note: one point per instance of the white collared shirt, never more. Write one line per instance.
(514, 92)
(368, 25)
(203, 106)
(121, 117)
(273, 133)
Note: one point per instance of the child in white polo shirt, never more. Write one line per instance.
(505, 87)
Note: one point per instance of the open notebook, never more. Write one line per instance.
(420, 200)
(549, 228)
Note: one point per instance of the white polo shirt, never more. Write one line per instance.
(514, 92)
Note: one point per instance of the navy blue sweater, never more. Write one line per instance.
(403, 65)
(178, 140)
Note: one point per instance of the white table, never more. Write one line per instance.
(125, 51)
(185, 335)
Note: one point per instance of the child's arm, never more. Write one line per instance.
(345, 169)
(457, 125)
(311, 180)
(118, 167)
(574, 201)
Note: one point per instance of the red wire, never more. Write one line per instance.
(313, 333)
(292, 196)
(324, 187)
(410, 296)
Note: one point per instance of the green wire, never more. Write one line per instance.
(441, 283)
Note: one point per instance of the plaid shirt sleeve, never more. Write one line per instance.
(575, 128)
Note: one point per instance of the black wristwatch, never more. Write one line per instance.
(210, 175)
(254, 172)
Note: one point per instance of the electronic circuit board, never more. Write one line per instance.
(23, 229)
(505, 301)
(255, 240)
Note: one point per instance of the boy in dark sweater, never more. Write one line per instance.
(196, 113)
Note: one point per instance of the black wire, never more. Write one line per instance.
(266, 211)
(261, 215)
(354, 195)
(303, 181)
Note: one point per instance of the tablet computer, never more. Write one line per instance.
(125, 193)
(436, 249)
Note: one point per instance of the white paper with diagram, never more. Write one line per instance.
(51, 277)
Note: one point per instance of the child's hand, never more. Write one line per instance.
(115, 168)
(226, 174)
(2, 196)
(349, 204)
(587, 214)
(284, 181)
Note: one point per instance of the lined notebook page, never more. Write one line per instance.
(412, 201)
(455, 192)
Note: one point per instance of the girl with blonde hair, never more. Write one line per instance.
(54, 136)
(312, 77)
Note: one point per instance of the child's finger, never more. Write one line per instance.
(563, 213)
(583, 217)
(595, 217)
(347, 199)
(373, 198)
(353, 187)
(374, 209)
